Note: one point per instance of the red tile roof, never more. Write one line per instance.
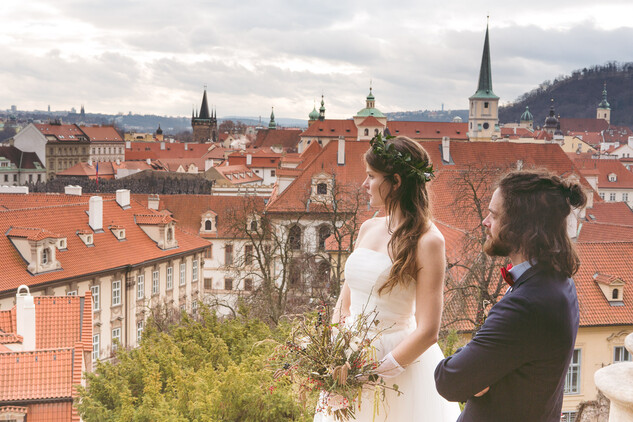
(31, 233)
(591, 138)
(617, 134)
(238, 174)
(582, 125)
(65, 214)
(156, 150)
(429, 130)
(331, 128)
(188, 209)
(604, 232)
(370, 121)
(7, 321)
(22, 160)
(606, 167)
(63, 321)
(10, 338)
(516, 132)
(62, 133)
(610, 212)
(101, 133)
(286, 138)
(152, 219)
(40, 374)
(614, 259)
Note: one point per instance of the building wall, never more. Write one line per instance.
(107, 151)
(60, 156)
(596, 346)
(30, 139)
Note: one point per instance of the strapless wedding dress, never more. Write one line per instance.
(365, 271)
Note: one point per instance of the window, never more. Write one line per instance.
(170, 278)
(321, 188)
(228, 284)
(254, 225)
(46, 255)
(248, 254)
(207, 225)
(116, 293)
(194, 307)
(140, 286)
(170, 235)
(95, 297)
(139, 331)
(95, 347)
(613, 177)
(194, 270)
(72, 293)
(567, 416)
(625, 197)
(208, 283)
(208, 252)
(324, 233)
(272, 173)
(612, 196)
(572, 381)
(615, 294)
(155, 283)
(366, 132)
(228, 255)
(183, 273)
(602, 195)
(6, 177)
(294, 237)
(116, 338)
(248, 284)
(621, 354)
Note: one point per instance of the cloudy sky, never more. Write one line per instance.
(155, 57)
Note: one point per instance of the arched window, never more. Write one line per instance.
(46, 255)
(323, 273)
(324, 233)
(170, 234)
(366, 132)
(294, 274)
(207, 225)
(254, 225)
(321, 188)
(294, 237)
(375, 132)
(615, 294)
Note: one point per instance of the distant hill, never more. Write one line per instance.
(428, 115)
(578, 96)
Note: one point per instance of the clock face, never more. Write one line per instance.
(486, 125)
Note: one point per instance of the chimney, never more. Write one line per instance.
(446, 149)
(25, 318)
(123, 198)
(249, 159)
(128, 144)
(72, 190)
(153, 201)
(340, 157)
(95, 213)
(186, 147)
(148, 161)
(162, 145)
(631, 141)
(118, 161)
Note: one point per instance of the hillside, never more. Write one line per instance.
(578, 95)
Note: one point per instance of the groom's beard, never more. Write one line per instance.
(496, 247)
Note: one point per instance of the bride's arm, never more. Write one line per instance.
(341, 311)
(431, 259)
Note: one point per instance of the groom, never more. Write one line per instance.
(514, 368)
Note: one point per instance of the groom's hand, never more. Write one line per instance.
(482, 392)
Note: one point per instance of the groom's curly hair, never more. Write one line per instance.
(536, 204)
(412, 198)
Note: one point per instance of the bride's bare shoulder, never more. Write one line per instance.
(368, 225)
(433, 238)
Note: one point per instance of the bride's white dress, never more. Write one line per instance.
(365, 271)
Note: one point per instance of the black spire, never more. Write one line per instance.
(204, 108)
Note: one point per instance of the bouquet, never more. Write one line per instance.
(339, 360)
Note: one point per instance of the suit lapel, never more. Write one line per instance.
(529, 273)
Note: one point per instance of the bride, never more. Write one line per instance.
(397, 268)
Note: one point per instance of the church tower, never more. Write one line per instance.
(322, 109)
(272, 125)
(604, 110)
(205, 125)
(483, 115)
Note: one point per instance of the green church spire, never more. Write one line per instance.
(604, 103)
(484, 90)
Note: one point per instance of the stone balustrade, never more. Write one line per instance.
(616, 383)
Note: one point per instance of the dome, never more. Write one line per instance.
(314, 114)
(527, 116)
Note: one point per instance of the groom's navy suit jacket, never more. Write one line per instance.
(522, 352)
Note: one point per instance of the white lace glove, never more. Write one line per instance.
(389, 367)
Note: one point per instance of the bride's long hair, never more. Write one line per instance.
(411, 198)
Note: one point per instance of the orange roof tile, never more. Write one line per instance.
(624, 178)
(62, 133)
(370, 121)
(40, 374)
(613, 258)
(50, 212)
(101, 133)
(7, 321)
(9, 338)
(610, 212)
(152, 219)
(604, 232)
(286, 138)
(56, 411)
(31, 233)
(429, 130)
(331, 128)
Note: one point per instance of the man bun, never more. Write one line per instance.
(575, 195)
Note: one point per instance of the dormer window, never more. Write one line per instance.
(613, 177)
(209, 222)
(118, 232)
(38, 247)
(321, 188)
(46, 255)
(86, 237)
(612, 288)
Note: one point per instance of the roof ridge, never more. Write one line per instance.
(107, 199)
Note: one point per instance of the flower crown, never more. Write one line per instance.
(400, 161)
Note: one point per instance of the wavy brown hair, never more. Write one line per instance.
(412, 199)
(536, 204)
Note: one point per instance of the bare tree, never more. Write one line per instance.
(473, 281)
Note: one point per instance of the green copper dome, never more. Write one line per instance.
(366, 112)
(527, 116)
(314, 114)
